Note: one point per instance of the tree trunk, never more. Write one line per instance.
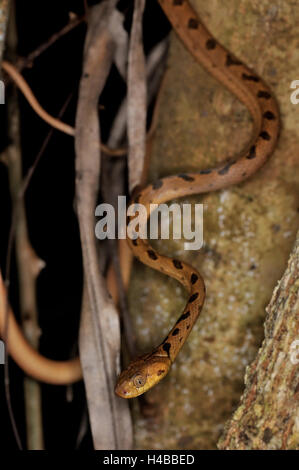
(268, 415)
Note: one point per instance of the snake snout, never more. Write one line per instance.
(121, 391)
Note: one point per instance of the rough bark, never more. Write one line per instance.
(268, 415)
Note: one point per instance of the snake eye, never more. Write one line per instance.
(139, 380)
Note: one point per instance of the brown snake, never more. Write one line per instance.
(147, 370)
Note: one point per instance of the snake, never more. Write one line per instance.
(146, 371)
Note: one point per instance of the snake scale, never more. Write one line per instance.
(147, 370)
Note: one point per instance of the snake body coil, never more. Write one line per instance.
(146, 371)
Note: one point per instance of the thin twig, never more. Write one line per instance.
(43, 114)
(24, 62)
(5, 6)
(156, 55)
(29, 266)
(31, 361)
(136, 99)
(27, 92)
(44, 145)
(5, 333)
(11, 239)
(28, 263)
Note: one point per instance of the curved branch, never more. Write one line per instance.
(43, 114)
(33, 363)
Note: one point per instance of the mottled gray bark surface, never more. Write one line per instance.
(268, 415)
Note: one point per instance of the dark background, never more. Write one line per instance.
(49, 201)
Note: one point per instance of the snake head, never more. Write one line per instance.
(141, 375)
